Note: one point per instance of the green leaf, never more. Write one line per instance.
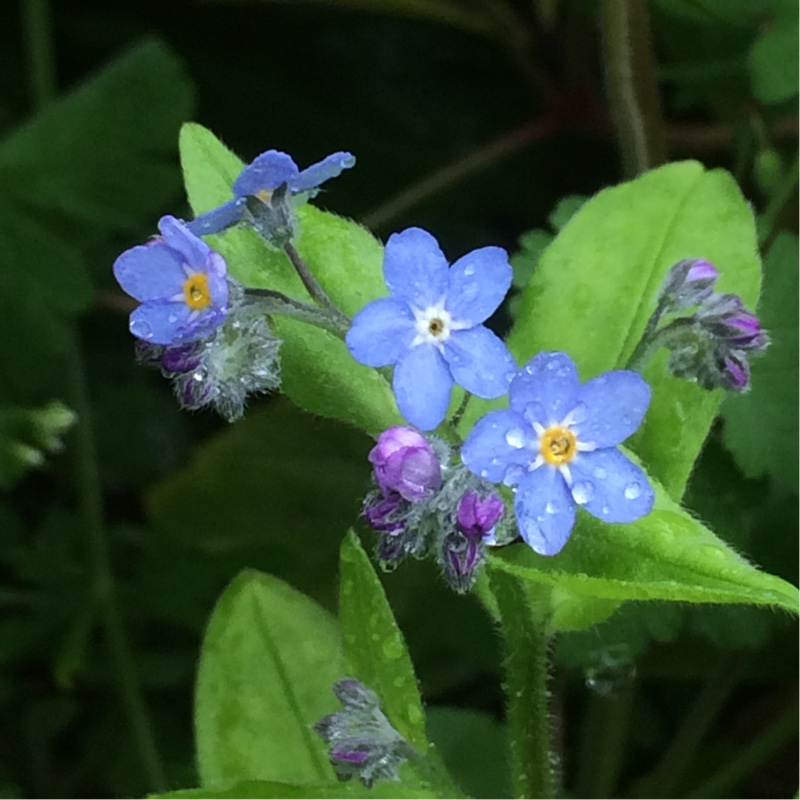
(269, 659)
(773, 61)
(667, 555)
(473, 747)
(319, 374)
(596, 286)
(374, 648)
(565, 210)
(761, 426)
(269, 789)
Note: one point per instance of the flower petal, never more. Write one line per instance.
(547, 386)
(415, 268)
(545, 510)
(422, 384)
(322, 171)
(500, 447)
(480, 361)
(380, 333)
(478, 282)
(266, 172)
(150, 272)
(610, 486)
(159, 323)
(615, 404)
(190, 247)
(218, 219)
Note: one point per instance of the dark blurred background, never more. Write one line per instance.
(472, 119)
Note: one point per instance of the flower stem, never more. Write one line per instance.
(278, 303)
(38, 31)
(526, 662)
(631, 84)
(312, 286)
(767, 223)
(103, 588)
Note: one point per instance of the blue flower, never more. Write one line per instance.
(430, 330)
(557, 445)
(180, 282)
(262, 177)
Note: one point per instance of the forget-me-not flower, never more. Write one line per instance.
(430, 328)
(180, 282)
(262, 177)
(557, 445)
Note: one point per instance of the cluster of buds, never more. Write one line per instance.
(425, 505)
(712, 345)
(240, 358)
(361, 742)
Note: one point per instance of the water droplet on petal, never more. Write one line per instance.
(484, 473)
(605, 510)
(172, 319)
(469, 270)
(141, 329)
(516, 438)
(551, 365)
(583, 492)
(600, 473)
(551, 508)
(632, 490)
(563, 372)
(513, 475)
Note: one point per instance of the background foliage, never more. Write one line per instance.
(482, 122)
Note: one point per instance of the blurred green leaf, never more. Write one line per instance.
(667, 555)
(318, 372)
(473, 747)
(596, 286)
(566, 208)
(773, 60)
(269, 659)
(374, 648)
(761, 426)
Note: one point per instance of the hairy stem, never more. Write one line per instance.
(526, 663)
(631, 85)
(278, 303)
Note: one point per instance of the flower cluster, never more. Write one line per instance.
(362, 742)
(713, 344)
(427, 504)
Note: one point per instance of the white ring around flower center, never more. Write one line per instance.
(432, 325)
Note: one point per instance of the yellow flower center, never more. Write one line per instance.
(264, 194)
(195, 291)
(558, 445)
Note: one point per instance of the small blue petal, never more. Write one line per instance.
(415, 268)
(549, 384)
(150, 272)
(422, 384)
(218, 219)
(265, 173)
(480, 361)
(159, 323)
(478, 283)
(381, 332)
(501, 444)
(545, 510)
(610, 486)
(191, 248)
(318, 173)
(615, 404)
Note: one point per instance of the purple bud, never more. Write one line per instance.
(357, 753)
(459, 557)
(702, 272)
(688, 283)
(182, 358)
(475, 517)
(736, 373)
(381, 512)
(193, 389)
(405, 463)
(747, 331)
(351, 692)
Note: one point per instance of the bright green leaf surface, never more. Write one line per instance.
(596, 286)
(383, 790)
(761, 426)
(667, 555)
(374, 648)
(269, 659)
(318, 372)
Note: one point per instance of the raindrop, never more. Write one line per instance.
(632, 490)
(605, 510)
(583, 492)
(172, 319)
(469, 270)
(600, 473)
(563, 372)
(141, 329)
(612, 670)
(513, 475)
(551, 365)
(551, 508)
(516, 438)
(484, 473)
